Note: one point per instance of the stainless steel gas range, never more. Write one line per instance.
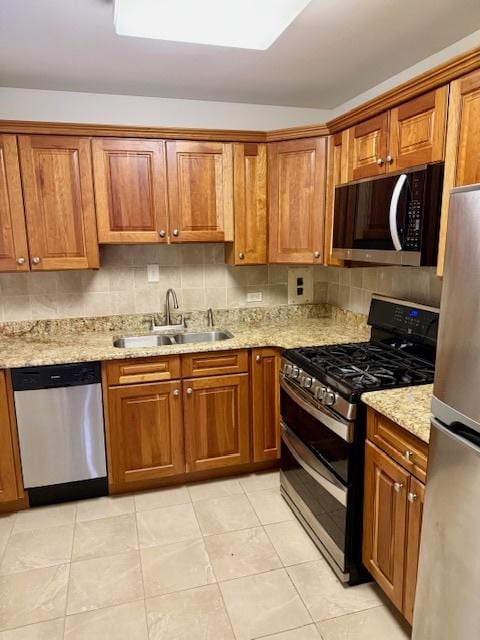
(323, 422)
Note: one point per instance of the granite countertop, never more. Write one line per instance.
(409, 407)
(57, 348)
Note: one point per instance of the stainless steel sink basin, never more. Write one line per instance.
(141, 342)
(156, 340)
(213, 335)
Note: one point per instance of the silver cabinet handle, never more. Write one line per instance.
(258, 358)
(176, 232)
(189, 391)
(408, 455)
(241, 255)
(380, 161)
(20, 260)
(389, 159)
(162, 233)
(36, 260)
(176, 393)
(411, 497)
(398, 486)
(316, 254)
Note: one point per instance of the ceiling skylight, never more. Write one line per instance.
(247, 24)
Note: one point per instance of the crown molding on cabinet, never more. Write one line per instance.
(431, 79)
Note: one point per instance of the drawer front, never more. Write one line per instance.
(405, 448)
(139, 370)
(213, 364)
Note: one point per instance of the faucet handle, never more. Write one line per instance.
(210, 320)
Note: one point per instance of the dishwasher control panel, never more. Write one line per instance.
(52, 376)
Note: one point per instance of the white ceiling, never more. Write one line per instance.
(333, 51)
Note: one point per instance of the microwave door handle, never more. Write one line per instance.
(397, 190)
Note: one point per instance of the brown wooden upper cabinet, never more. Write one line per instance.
(13, 235)
(296, 200)
(59, 202)
(408, 135)
(130, 189)
(462, 159)
(337, 174)
(200, 191)
(249, 204)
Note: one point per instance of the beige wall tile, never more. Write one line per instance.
(44, 306)
(216, 298)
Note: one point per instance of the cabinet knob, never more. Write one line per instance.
(316, 254)
(412, 497)
(408, 455)
(36, 260)
(241, 255)
(20, 260)
(176, 232)
(380, 161)
(176, 393)
(189, 391)
(258, 358)
(398, 486)
(162, 233)
(389, 159)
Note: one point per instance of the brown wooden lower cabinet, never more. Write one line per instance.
(11, 487)
(393, 509)
(145, 432)
(216, 413)
(265, 374)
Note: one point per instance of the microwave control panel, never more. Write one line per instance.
(413, 230)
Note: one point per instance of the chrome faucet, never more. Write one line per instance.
(168, 315)
(210, 320)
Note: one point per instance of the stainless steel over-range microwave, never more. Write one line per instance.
(393, 219)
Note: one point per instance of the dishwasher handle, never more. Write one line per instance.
(57, 375)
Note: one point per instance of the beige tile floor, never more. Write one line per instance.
(221, 560)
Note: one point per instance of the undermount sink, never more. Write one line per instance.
(154, 340)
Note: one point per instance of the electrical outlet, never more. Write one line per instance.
(153, 273)
(300, 285)
(256, 296)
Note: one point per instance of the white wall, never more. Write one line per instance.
(70, 106)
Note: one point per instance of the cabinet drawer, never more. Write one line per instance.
(142, 370)
(212, 364)
(405, 448)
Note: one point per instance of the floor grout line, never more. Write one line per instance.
(141, 573)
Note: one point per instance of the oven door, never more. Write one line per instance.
(318, 499)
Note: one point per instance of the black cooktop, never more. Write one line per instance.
(351, 369)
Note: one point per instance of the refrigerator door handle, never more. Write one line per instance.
(397, 190)
(461, 432)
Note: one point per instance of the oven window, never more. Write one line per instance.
(371, 228)
(330, 514)
(326, 444)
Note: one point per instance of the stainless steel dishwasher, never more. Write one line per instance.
(61, 430)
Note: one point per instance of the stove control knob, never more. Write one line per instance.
(307, 382)
(296, 372)
(320, 393)
(287, 369)
(330, 397)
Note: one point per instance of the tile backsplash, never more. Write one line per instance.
(201, 280)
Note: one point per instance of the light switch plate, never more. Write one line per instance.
(300, 285)
(256, 296)
(153, 273)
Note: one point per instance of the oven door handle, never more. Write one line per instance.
(342, 430)
(397, 190)
(312, 466)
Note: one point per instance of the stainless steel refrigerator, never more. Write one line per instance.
(447, 605)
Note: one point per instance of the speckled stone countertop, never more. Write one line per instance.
(82, 340)
(409, 407)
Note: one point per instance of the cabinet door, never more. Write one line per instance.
(417, 130)
(296, 194)
(265, 384)
(337, 174)
(145, 432)
(130, 190)
(10, 474)
(13, 237)
(216, 421)
(385, 522)
(368, 148)
(59, 202)
(250, 205)
(416, 496)
(200, 189)
(462, 156)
